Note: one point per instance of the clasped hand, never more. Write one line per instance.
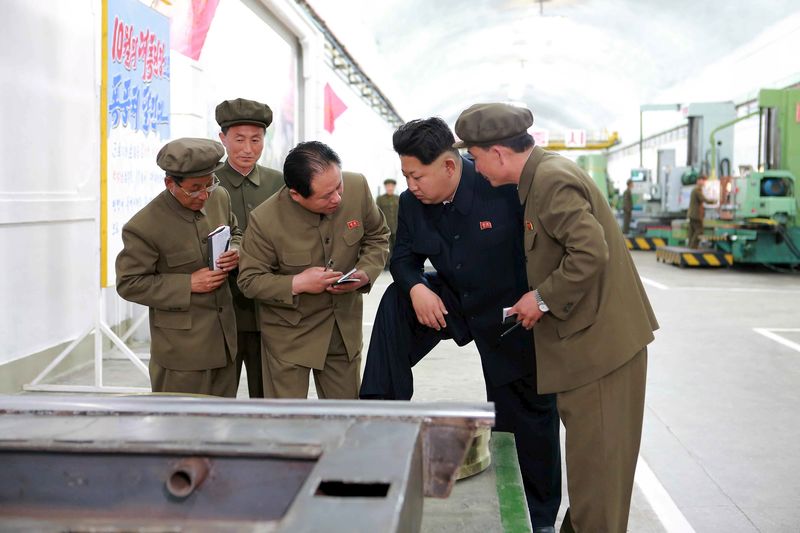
(428, 306)
(527, 310)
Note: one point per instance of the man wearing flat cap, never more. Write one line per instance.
(389, 203)
(244, 124)
(164, 264)
(591, 316)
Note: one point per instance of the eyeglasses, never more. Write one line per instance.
(208, 190)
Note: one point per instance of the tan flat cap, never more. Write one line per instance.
(487, 124)
(190, 158)
(241, 111)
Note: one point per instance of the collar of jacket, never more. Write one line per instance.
(236, 178)
(528, 172)
(462, 200)
(183, 212)
(308, 217)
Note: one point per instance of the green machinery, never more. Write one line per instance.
(763, 205)
(596, 165)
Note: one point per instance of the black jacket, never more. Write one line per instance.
(475, 245)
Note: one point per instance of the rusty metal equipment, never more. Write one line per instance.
(150, 463)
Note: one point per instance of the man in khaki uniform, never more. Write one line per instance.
(244, 123)
(164, 265)
(591, 315)
(389, 203)
(697, 212)
(627, 207)
(298, 243)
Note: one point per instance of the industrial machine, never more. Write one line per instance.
(596, 165)
(665, 196)
(763, 205)
(170, 463)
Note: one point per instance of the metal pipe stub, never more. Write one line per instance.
(187, 475)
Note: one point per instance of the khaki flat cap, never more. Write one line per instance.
(190, 157)
(487, 124)
(241, 111)
(390, 180)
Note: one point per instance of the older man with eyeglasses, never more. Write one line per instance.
(164, 264)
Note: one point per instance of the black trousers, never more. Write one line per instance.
(399, 341)
(249, 354)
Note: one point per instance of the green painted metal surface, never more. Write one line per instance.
(511, 495)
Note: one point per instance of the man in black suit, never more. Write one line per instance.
(472, 234)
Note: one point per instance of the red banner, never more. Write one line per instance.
(334, 107)
(189, 29)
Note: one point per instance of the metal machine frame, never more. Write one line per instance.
(176, 463)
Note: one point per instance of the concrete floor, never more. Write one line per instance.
(721, 443)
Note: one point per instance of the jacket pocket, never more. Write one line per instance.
(576, 324)
(530, 239)
(184, 257)
(172, 319)
(353, 236)
(292, 316)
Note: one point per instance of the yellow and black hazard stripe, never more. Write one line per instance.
(684, 257)
(644, 243)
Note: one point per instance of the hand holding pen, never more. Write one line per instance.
(315, 280)
(512, 328)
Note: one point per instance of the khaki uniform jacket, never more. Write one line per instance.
(247, 193)
(284, 239)
(162, 245)
(697, 201)
(389, 206)
(627, 201)
(576, 257)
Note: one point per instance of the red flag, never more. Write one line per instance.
(188, 30)
(333, 108)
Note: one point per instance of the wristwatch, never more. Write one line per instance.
(542, 306)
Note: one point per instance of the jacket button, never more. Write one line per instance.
(204, 240)
(456, 237)
(458, 266)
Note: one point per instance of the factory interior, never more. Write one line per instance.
(653, 104)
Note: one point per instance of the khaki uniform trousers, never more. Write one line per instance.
(694, 233)
(603, 422)
(212, 382)
(339, 379)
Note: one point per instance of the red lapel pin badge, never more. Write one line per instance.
(485, 224)
(529, 225)
(353, 224)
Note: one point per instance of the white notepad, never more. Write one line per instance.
(218, 242)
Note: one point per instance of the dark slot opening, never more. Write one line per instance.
(345, 489)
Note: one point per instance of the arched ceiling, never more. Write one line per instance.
(578, 64)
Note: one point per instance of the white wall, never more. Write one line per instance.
(49, 181)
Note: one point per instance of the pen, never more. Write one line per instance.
(329, 265)
(512, 328)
